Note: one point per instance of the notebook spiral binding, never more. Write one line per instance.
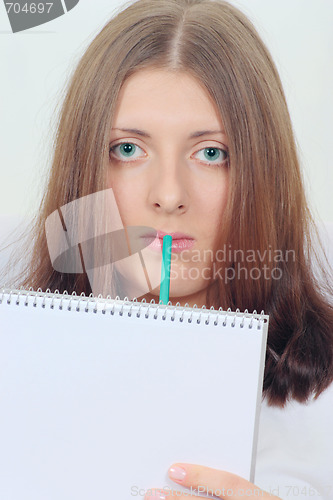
(134, 308)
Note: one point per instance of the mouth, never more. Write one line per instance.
(180, 241)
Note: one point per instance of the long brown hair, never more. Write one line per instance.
(217, 44)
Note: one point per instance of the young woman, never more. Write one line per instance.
(178, 108)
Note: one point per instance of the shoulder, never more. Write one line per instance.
(295, 448)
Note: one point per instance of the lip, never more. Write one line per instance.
(180, 241)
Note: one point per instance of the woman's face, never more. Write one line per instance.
(169, 171)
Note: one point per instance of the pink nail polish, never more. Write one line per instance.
(177, 473)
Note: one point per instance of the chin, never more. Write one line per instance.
(181, 292)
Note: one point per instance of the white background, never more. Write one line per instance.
(36, 64)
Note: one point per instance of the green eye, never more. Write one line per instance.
(125, 150)
(213, 155)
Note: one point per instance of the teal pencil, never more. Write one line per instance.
(165, 271)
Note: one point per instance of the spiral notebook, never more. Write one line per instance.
(98, 397)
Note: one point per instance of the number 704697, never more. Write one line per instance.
(29, 8)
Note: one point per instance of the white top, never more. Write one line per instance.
(295, 449)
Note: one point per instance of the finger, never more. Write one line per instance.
(215, 482)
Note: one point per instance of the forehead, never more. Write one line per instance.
(159, 92)
(171, 81)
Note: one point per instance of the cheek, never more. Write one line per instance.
(128, 195)
(213, 205)
(214, 197)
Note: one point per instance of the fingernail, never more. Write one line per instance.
(177, 473)
(155, 495)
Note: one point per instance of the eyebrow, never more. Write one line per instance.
(199, 133)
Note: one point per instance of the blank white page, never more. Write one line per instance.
(99, 405)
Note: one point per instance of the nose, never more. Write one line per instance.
(168, 193)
